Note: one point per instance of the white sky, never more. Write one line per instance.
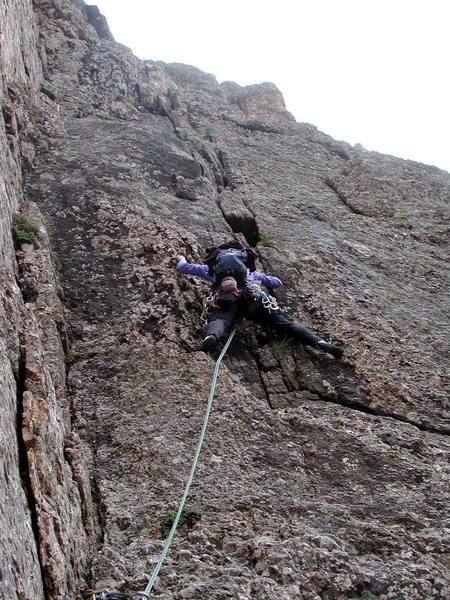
(374, 72)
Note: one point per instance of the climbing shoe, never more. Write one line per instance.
(330, 348)
(208, 343)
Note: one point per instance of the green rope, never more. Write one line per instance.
(191, 475)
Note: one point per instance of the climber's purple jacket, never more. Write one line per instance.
(202, 271)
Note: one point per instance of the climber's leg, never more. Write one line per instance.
(219, 321)
(278, 321)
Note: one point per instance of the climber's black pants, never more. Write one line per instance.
(221, 319)
(278, 321)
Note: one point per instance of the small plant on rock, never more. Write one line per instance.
(281, 349)
(24, 231)
(71, 357)
(266, 240)
(131, 101)
(209, 132)
(189, 516)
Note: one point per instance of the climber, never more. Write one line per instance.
(237, 292)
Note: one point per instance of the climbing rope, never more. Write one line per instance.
(146, 592)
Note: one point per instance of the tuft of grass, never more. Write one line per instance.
(266, 239)
(399, 219)
(24, 231)
(131, 101)
(189, 516)
(71, 357)
(185, 135)
(281, 349)
(209, 132)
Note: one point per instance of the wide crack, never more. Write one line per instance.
(342, 197)
(347, 393)
(24, 469)
(244, 224)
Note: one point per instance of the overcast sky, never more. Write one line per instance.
(374, 72)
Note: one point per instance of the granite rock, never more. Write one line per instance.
(320, 478)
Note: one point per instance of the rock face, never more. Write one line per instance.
(320, 478)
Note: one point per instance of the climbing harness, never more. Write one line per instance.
(146, 592)
(252, 292)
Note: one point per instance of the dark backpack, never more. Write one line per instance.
(230, 258)
(231, 262)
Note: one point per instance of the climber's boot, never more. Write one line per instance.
(209, 343)
(330, 348)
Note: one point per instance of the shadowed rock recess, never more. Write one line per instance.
(319, 479)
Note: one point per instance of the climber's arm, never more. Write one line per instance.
(267, 280)
(192, 269)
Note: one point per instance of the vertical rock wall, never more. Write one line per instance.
(47, 519)
(321, 479)
(20, 570)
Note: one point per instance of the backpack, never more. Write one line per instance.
(231, 262)
(230, 258)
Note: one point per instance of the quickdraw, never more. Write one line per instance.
(255, 292)
(206, 303)
(269, 302)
